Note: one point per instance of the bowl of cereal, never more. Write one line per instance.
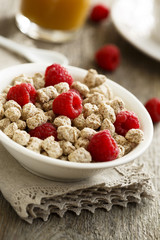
(67, 123)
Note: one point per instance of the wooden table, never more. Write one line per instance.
(139, 74)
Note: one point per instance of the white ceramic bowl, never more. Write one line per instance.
(51, 168)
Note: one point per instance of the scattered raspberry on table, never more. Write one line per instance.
(103, 147)
(153, 107)
(44, 131)
(108, 57)
(99, 12)
(126, 120)
(22, 93)
(68, 104)
(55, 74)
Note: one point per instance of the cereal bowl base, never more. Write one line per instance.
(61, 170)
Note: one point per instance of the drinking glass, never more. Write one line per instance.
(52, 20)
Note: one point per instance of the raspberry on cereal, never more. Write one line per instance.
(68, 104)
(103, 147)
(22, 93)
(126, 120)
(44, 131)
(55, 74)
(153, 107)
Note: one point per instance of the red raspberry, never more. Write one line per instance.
(125, 121)
(44, 131)
(153, 107)
(55, 74)
(68, 104)
(108, 57)
(22, 93)
(103, 147)
(99, 13)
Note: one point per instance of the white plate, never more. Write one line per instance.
(138, 22)
(51, 168)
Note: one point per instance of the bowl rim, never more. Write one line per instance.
(62, 163)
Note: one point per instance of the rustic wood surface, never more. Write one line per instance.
(139, 74)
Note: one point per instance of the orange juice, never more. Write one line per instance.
(56, 14)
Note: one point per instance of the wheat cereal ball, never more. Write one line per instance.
(80, 155)
(62, 121)
(68, 133)
(87, 133)
(52, 147)
(80, 121)
(135, 135)
(4, 123)
(13, 113)
(10, 129)
(21, 137)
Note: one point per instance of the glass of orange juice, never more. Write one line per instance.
(52, 20)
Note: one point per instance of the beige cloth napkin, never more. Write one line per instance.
(34, 197)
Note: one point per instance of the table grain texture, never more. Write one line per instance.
(140, 75)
